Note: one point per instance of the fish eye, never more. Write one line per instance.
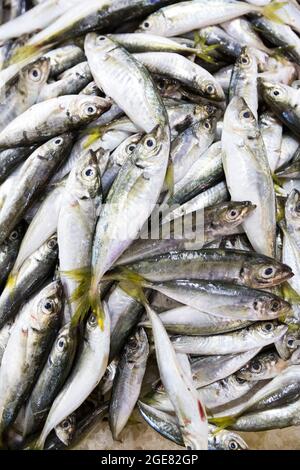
(290, 342)
(58, 141)
(92, 321)
(48, 306)
(255, 305)
(268, 327)
(150, 142)
(65, 424)
(131, 148)
(256, 366)
(101, 38)
(210, 109)
(14, 235)
(61, 344)
(233, 445)
(210, 89)
(207, 125)
(276, 92)
(89, 172)
(52, 243)
(91, 110)
(275, 305)
(146, 24)
(35, 74)
(268, 272)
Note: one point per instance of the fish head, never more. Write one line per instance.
(156, 23)
(275, 94)
(239, 118)
(258, 366)
(229, 215)
(228, 440)
(87, 176)
(87, 108)
(206, 127)
(36, 74)
(49, 306)
(292, 208)
(66, 429)
(151, 145)
(261, 272)
(267, 305)
(270, 330)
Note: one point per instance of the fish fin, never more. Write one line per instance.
(269, 11)
(11, 281)
(124, 274)
(23, 53)
(80, 295)
(169, 179)
(223, 422)
(98, 311)
(133, 290)
(202, 50)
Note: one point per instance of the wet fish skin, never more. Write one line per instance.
(128, 381)
(51, 379)
(106, 58)
(11, 158)
(34, 174)
(45, 120)
(223, 299)
(31, 275)
(24, 354)
(265, 365)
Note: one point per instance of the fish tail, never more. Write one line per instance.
(202, 50)
(289, 294)
(269, 11)
(98, 310)
(93, 133)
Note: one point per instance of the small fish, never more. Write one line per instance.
(128, 381)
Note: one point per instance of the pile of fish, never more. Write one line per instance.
(149, 219)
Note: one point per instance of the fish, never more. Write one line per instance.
(175, 20)
(265, 365)
(234, 266)
(44, 121)
(141, 178)
(283, 100)
(23, 90)
(9, 251)
(241, 138)
(35, 172)
(128, 381)
(87, 372)
(106, 58)
(188, 407)
(271, 132)
(26, 349)
(79, 211)
(31, 275)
